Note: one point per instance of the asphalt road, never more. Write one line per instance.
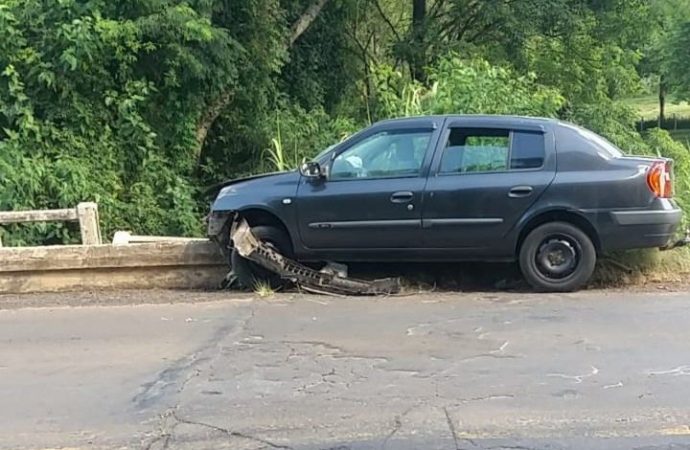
(595, 370)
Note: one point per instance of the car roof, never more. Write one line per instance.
(484, 119)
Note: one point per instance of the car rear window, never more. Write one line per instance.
(604, 147)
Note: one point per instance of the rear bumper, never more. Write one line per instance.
(651, 228)
(633, 218)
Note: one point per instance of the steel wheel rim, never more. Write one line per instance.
(557, 257)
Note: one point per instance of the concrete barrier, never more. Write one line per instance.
(85, 213)
(185, 264)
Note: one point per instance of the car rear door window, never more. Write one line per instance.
(491, 150)
(476, 150)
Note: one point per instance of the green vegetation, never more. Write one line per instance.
(647, 107)
(642, 267)
(141, 104)
(682, 136)
(263, 290)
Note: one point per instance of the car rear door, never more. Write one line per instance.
(372, 196)
(484, 177)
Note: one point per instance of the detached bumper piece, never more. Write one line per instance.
(310, 280)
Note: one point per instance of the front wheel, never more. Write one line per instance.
(557, 257)
(250, 274)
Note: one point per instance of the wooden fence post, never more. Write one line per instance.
(88, 223)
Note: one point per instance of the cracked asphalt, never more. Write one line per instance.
(178, 370)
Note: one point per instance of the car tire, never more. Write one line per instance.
(249, 273)
(557, 257)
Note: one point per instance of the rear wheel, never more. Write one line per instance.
(557, 257)
(249, 273)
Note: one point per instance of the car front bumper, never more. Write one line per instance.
(217, 222)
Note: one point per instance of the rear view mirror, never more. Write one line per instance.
(310, 169)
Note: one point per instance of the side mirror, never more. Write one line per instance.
(310, 169)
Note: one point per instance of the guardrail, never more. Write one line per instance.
(85, 213)
(131, 261)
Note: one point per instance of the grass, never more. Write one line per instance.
(639, 267)
(263, 289)
(682, 136)
(648, 107)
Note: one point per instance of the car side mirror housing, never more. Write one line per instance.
(311, 169)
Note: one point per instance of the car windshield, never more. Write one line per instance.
(323, 153)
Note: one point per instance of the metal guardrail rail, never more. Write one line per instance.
(85, 213)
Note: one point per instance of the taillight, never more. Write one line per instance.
(659, 179)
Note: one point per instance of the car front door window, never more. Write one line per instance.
(383, 155)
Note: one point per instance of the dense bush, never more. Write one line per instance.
(99, 102)
(465, 87)
(301, 134)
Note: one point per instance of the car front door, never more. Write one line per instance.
(372, 195)
(483, 179)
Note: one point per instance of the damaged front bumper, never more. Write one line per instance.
(309, 279)
(217, 222)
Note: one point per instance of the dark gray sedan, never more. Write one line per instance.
(542, 192)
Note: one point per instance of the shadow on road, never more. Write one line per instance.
(446, 276)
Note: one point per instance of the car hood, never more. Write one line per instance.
(215, 189)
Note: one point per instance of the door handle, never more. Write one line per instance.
(402, 197)
(520, 191)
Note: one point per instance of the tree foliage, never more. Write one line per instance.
(465, 87)
(677, 64)
(140, 104)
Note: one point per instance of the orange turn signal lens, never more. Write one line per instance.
(659, 179)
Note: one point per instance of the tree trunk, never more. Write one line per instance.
(299, 27)
(418, 31)
(218, 105)
(209, 117)
(662, 100)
